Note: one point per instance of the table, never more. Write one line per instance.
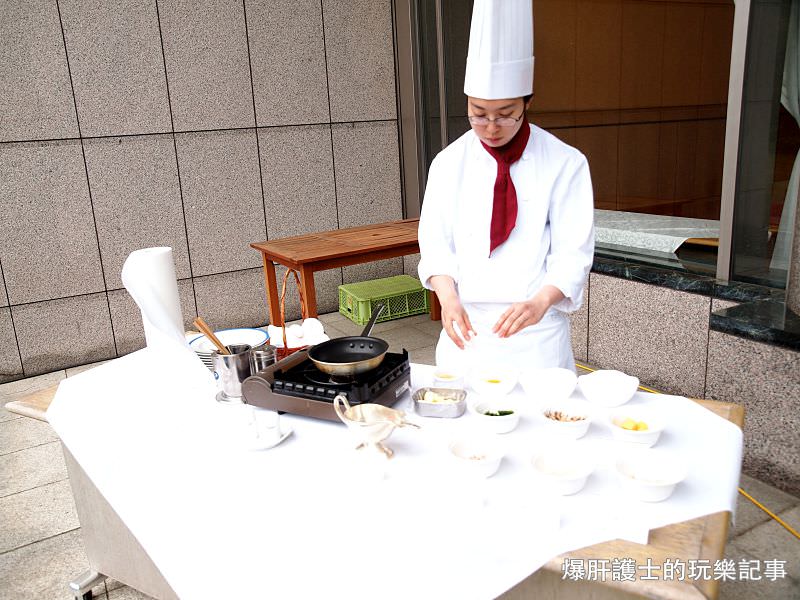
(313, 252)
(114, 551)
(697, 539)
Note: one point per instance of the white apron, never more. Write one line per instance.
(546, 344)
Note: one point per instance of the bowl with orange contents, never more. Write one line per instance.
(637, 424)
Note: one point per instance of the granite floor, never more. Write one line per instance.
(41, 548)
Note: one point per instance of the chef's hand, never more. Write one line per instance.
(523, 314)
(453, 313)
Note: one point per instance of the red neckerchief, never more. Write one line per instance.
(504, 204)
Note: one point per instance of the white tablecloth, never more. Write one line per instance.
(309, 518)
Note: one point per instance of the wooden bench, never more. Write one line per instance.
(314, 252)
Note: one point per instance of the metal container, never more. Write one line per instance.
(261, 358)
(454, 405)
(230, 370)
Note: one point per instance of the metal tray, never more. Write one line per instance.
(445, 409)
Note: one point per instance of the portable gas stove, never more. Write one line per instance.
(295, 385)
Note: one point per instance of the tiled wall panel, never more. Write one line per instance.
(373, 270)
(766, 379)
(297, 171)
(222, 199)
(170, 155)
(117, 66)
(360, 57)
(288, 60)
(49, 244)
(326, 284)
(3, 295)
(234, 299)
(62, 333)
(10, 363)
(367, 173)
(36, 100)
(137, 201)
(658, 334)
(579, 327)
(205, 47)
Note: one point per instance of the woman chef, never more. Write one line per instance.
(506, 235)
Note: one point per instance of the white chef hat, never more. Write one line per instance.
(500, 56)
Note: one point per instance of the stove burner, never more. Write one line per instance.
(316, 376)
(295, 385)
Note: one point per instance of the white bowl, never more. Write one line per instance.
(607, 387)
(549, 385)
(445, 377)
(563, 469)
(494, 381)
(496, 423)
(477, 456)
(638, 415)
(650, 476)
(243, 335)
(570, 429)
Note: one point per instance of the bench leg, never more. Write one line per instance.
(436, 308)
(309, 307)
(273, 299)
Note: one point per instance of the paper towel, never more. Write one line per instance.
(149, 276)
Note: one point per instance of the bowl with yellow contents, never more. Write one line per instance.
(493, 381)
(638, 425)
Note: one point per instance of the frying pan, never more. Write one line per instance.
(353, 354)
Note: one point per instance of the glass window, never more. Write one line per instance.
(641, 88)
(767, 176)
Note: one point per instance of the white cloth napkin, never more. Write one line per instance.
(308, 333)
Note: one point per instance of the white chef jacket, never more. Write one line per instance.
(551, 243)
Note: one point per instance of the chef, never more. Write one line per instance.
(506, 231)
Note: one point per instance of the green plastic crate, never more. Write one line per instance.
(403, 295)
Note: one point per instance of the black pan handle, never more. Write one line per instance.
(376, 312)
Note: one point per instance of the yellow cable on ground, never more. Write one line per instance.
(741, 491)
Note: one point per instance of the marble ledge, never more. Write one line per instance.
(766, 321)
(685, 281)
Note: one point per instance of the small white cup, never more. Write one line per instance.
(266, 424)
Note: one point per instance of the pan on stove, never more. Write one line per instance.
(353, 354)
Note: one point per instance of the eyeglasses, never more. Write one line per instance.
(499, 121)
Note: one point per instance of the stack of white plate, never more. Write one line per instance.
(203, 347)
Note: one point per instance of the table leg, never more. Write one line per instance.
(273, 299)
(436, 308)
(309, 307)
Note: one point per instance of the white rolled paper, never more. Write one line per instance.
(149, 276)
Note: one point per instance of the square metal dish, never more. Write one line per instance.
(450, 410)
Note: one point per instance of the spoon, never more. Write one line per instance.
(206, 330)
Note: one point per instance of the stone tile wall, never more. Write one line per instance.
(203, 126)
